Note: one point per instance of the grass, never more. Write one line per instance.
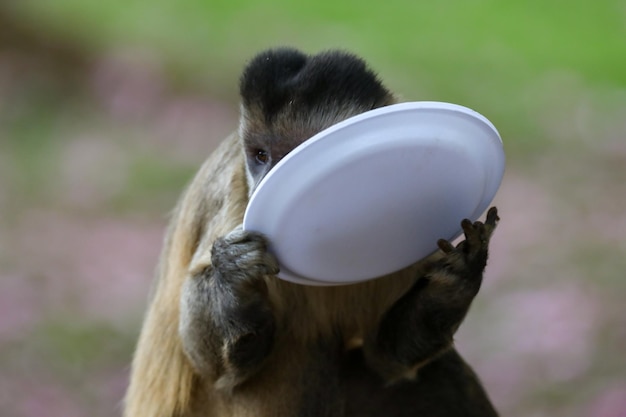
(509, 60)
(578, 34)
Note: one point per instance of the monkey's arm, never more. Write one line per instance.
(421, 324)
(164, 377)
(227, 324)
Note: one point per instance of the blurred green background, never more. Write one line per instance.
(108, 108)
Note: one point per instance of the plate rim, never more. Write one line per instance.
(332, 131)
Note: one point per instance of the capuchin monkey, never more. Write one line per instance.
(224, 337)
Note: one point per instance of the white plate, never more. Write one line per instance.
(373, 194)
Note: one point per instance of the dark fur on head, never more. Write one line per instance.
(288, 97)
(278, 78)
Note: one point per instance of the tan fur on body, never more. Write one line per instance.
(162, 380)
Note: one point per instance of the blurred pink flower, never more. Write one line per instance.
(36, 398)
(611, 403)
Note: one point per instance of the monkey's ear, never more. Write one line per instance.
(265, 80)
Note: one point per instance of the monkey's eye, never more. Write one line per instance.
(261, 157)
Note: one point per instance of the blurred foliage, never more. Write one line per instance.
(534, 35)
(489, 55)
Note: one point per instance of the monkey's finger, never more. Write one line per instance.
(239, 236)
(468, 228)
(474, 236)
(445, 246)
(491, 222)
(492, 216)
(241, 254)
(270, 264)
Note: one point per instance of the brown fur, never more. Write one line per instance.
(312, 368)
(163, 383)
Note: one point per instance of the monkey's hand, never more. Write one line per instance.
(457, 276)
(421, 324)
(227, 324)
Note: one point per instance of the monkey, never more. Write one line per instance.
(223, 336)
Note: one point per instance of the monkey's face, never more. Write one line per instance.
(287, 97)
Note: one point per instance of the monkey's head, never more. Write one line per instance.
(288, 96)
